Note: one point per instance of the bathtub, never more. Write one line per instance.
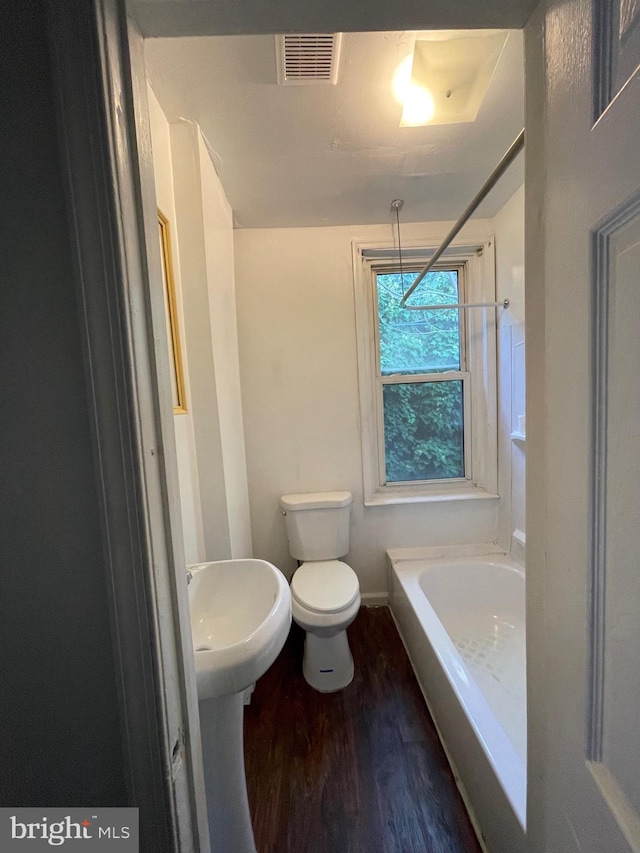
(461, 616)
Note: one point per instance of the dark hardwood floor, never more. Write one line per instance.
(358, 771)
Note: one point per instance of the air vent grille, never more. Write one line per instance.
(308, 59)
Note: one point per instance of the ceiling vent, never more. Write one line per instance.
(306, 60)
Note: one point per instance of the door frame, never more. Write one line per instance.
(104, 138)
(104, 133)
(535, 337)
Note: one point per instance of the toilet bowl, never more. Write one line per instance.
(325, 593)
(325, 599)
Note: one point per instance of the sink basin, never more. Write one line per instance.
(240, 618)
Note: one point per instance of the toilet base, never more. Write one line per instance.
(327, 665)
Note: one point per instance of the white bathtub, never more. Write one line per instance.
(462, 620)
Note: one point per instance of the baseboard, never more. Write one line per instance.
(374, 599)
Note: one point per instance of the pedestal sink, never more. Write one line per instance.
(240, 618)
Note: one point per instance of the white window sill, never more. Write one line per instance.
(442, 495)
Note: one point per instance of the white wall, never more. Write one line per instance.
(509, 234)
(210, 438)
(183, 423)
(299, 375)
(218, 233)
(300, 393)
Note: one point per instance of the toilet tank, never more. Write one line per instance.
(317, 524)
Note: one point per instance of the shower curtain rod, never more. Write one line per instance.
(502, 304)
(516, 147)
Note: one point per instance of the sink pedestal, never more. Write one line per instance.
(221, 728)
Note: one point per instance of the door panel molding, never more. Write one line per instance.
(601, 286)
(604, 597)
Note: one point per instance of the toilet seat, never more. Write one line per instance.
(325, 586)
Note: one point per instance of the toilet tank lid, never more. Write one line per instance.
(316, 500)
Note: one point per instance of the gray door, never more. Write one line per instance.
(584, 688)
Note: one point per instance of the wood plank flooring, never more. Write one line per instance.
(358, 771)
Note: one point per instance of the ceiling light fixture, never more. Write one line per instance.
(402, 78)
(418, 104)
(419, 107)
(446, 76)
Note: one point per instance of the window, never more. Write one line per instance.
(427, 377)
(420, 359)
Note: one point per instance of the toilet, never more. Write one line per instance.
(325, 593)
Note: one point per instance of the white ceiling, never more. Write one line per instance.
(334, 155)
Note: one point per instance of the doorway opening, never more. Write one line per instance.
(269, 187)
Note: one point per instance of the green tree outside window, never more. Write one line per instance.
(423, 420)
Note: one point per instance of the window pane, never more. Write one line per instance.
(418, 341)
(423, 431)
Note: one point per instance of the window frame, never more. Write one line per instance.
(476, 264)
(377, 267)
